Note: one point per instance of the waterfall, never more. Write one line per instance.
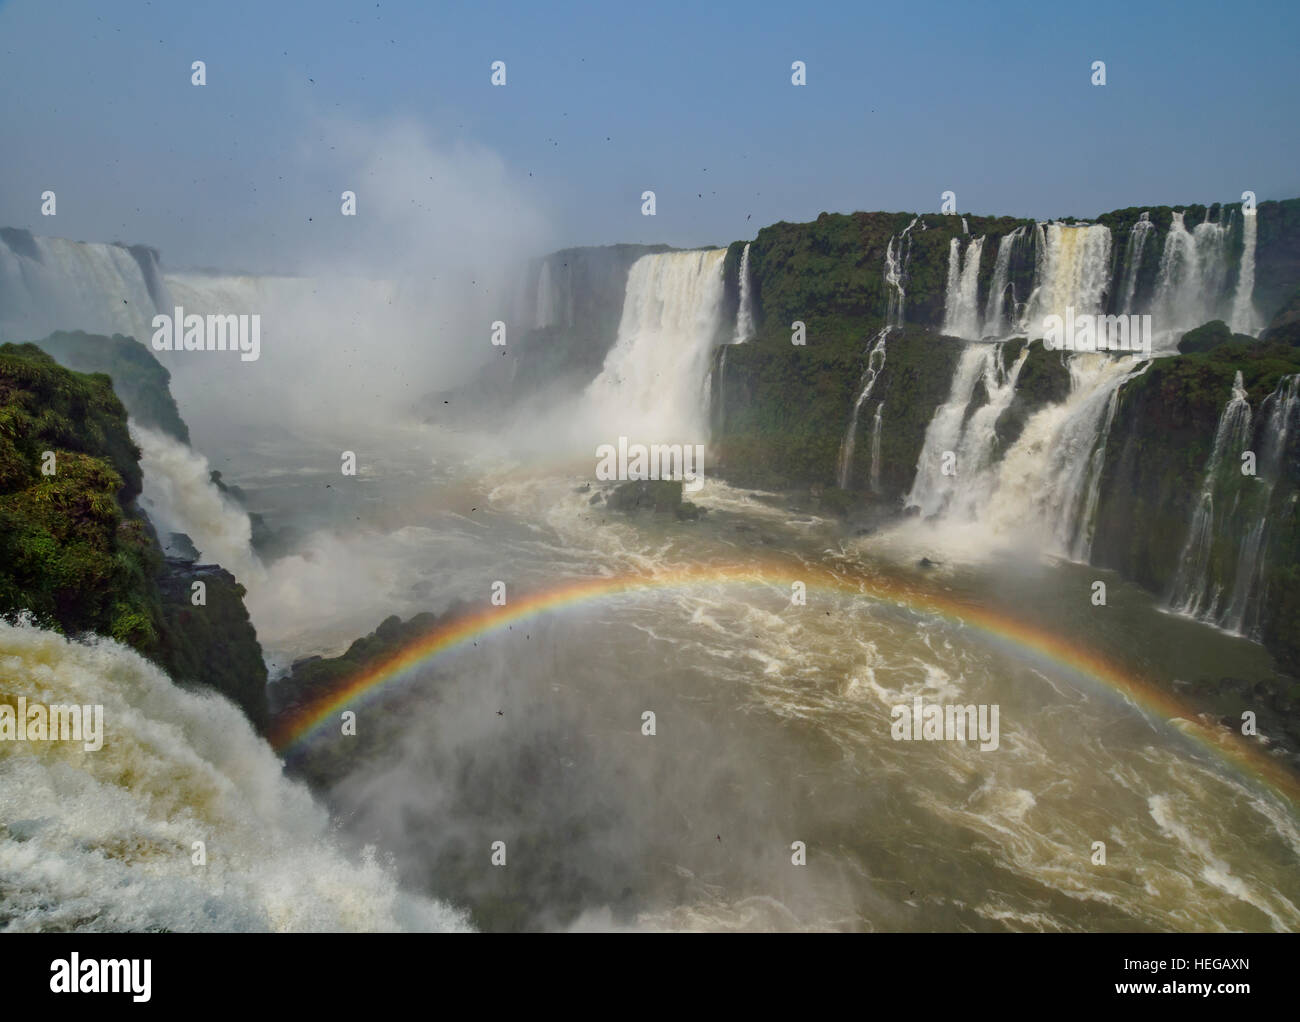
(1191, 281)
(1047, 484)
(101, 841)
(897, 253)
(1072, 269)
(896, 259)
(179, 496)
(961, 316)
(930, 490)
(876, 423)
(965, 433)
(995, 324)
(1137, 240)
(1243, 319)
(1069, 485)
(875, 362)
(1220, 573)
(953, 281)
(1082, 531)
(745, 310)
(1194, 591)
(1044, 489)
(49, 284)
(652, 383)
(337, 353)
(1280, 426)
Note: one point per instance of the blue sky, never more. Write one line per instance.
(603, 101)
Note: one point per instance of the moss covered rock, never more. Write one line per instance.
(139, 379)
(74, 551)
(1156, 459)
(1285, 326)
(1209, 336)
(662, 495)
(1044, 379)
(77, 554)
(788, 407)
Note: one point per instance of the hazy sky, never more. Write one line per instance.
(604, 101)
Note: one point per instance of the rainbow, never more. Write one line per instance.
(293, 732)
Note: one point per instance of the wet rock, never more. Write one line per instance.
(660, 495)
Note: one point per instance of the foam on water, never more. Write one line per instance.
(103, 840)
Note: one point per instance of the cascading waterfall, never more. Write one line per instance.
(1047, 483)
(1072, 271)
(1133, 249)
(930, 488)
(1190, 283)
(179, 496)
(876, 422)
(1083, 530)
(1244, 319)
(995, 322)
(1280, 426)
(1194, 591)
(745, 310)
(331, 349)
(953, 282)
(961, 315)
(896, 259)
(650, 388)
(897, 253)
(744, 331)
(968, 437)
(49, 284)
(875, 362)
(101, 841)
(1043, 490)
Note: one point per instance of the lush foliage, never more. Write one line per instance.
(139, 379)
(73, 551)
(77, 554)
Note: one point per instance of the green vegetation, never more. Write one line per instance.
(1156, 459)
(1285, 326)
(139, 379)
(788, 406)
(832, 268)
(1044, 379)
(1209, 336)
(313, 678)
(77, 554)
(74, 551)
(215, 644)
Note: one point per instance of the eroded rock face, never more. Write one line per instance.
(214, 644)
(1155, 467)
